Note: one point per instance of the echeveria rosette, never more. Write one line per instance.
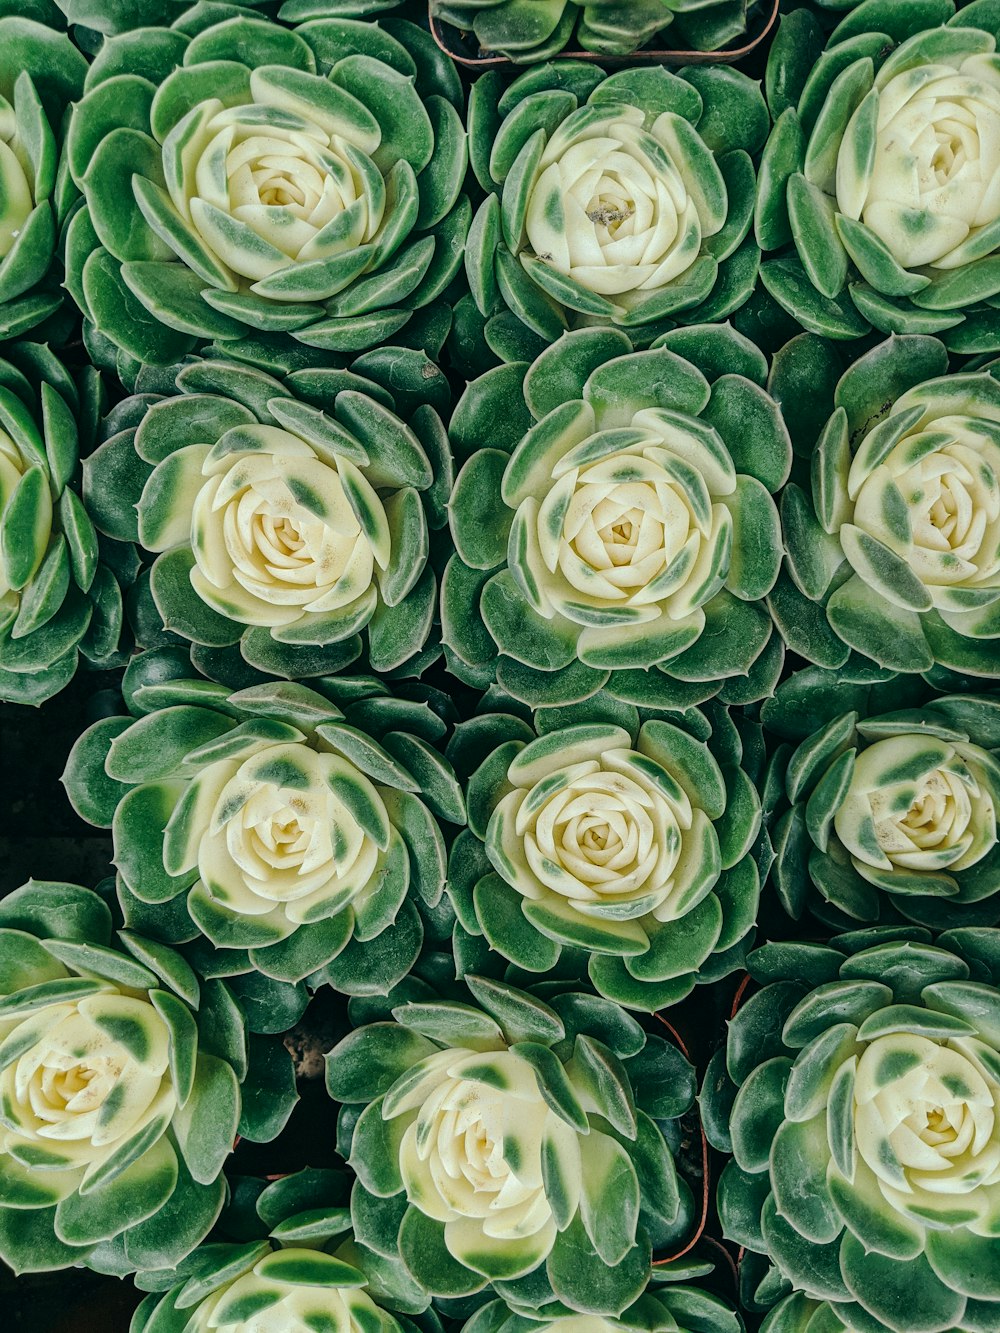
(59, 598)
(515, 1142)
(894, 816)
(893, 548)
(293, 1266)
(878, 183)
(286, 518)
(860, 1096)
(621, 200)
(637, 536)
(120, 1086)
(41, 73)
(534, 32)
(299, 181)
(632, 847)
(268, 830)
(667, 1306)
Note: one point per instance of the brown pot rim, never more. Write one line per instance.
(706, 1191)
(728, 55)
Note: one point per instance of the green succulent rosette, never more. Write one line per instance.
(893, 544)
(286, 518)
(859, 1093)
(637, 535)
(121, 1090)
(894, 816)
(666, 1307)
(877, 186)
(41, 72)
(530, 32)
(270, 832)
(295, 1268)
(622, 200)
(60, 597)
(799, 1314)
(634, 846)
(241, 175)
(508, 1142)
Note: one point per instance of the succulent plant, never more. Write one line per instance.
(294, 1269)
(862, 1085)
(665, 1307)
(799, 1314)
(121, 1089)
(877, 183)
(41, 72)
(529, 32)
(286, 518)
(894, 816)
(289, 835)
(516, 1141)
(637, 535)
(621, 200)
(631, 845)
(58, 595)
(894, 550)
(243, 175)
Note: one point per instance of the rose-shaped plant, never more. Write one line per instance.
(295, 1268)
(293, 180)
(120, 1086)
(288, 834)
(614, 27)
(633, 846)
(894, 548)
(515, 1141)
(799, 1314)
(637, 535)
(895, 814)
(58, 596)
(666, 1307)
(621, 200)
(881, 173)
(41, 72)
(866, 1125)
(287, 517)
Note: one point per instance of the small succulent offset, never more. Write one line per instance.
(634, 847)
(286, 518)
(290, 834)
(41, 72)
(895, 816)
(295, 1269)
(897, 541)
(879, 177)
(509, 1140)
(862, 1085)
(665, 1307)
(58, 596)
(527, 32)
(637, 536)
(620, 200)
(121, 1101)
(248, 175)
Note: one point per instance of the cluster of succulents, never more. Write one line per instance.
(505, 538)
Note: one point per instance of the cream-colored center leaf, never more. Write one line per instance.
(282, 842)
(633, 524)
(93, 1074)
(473, 1150)
(927, 1117)
(296, 179)
(935, 181)
(935, 501)
(610, 204)
(605, 836)
(279, 533)
(919, 804)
